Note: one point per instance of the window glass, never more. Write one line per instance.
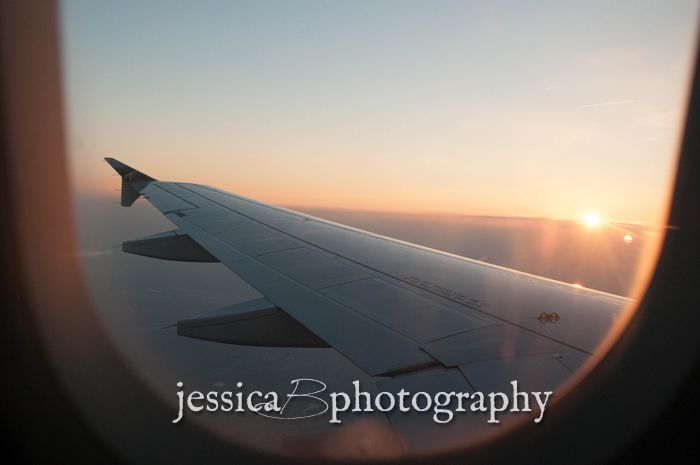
(535, 136)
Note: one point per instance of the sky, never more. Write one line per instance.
(540, 109)
(545, 109)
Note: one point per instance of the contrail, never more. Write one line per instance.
(96, 253)
(604, 104)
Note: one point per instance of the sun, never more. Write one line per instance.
(591, 220)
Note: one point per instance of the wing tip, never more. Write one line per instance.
(126, 171)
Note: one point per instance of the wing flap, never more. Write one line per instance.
(533, 373)
(419, 431)
(493, 342)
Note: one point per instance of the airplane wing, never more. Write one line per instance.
(397, 310)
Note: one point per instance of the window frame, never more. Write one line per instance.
(62, 360)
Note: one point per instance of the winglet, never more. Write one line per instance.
(126, 171)
(133, 181)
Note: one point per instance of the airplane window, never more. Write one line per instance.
(471, 193)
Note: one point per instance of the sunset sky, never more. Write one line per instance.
(549, 109)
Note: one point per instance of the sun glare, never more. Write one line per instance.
(591, 220)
